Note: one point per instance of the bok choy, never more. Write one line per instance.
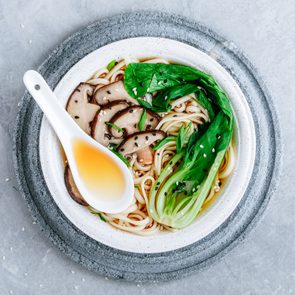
(184, 183)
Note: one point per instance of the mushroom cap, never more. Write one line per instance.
(139, 140)
(111, 92)
(79, 107)
(128, 120)
(72, 188)
(99, 130)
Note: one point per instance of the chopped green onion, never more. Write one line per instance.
(114, 126)
(112, 64)
(142, 120)
(101, 217)
(112, 147)
(163, 142)
(98, 214)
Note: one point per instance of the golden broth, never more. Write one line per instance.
(100, 174)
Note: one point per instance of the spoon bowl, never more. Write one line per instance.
(101, 177)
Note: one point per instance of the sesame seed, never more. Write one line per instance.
(213, 150)
(204, 155)
(201, 146)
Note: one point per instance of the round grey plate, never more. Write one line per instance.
(160, 266)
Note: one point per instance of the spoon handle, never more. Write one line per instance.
(59, 119)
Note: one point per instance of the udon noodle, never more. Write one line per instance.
(136, 218)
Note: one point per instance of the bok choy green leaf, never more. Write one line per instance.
(181, 188)
(142, 78)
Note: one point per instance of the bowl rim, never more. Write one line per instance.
(118, 264)
(234, 188)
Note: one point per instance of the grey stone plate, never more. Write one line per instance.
(160, 266)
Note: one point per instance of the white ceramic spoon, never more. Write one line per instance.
(68, 133)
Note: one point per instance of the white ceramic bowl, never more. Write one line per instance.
(224, 205)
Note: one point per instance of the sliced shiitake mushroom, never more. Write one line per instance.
(139, 140)
(99, 129)
(112, 92)
(145, 156)
(128, 120)
(80, 108)
(72, 188)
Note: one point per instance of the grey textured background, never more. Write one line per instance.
(264, 263)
